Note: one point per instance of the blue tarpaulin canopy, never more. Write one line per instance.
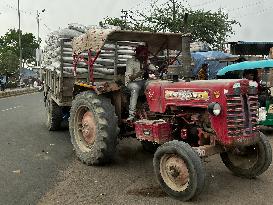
(246, 65)
(26, 73)
(214, 59)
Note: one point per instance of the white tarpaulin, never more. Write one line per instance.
(93, 39)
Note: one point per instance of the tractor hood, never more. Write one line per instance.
(198, 93)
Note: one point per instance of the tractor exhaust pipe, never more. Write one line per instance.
(186, 52)
(186, 57)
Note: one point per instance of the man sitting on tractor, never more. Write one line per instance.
(137, 73)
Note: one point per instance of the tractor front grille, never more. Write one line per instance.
(253, 108)
(241, 114)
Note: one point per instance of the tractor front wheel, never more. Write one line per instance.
(179, 170)
(250, 161)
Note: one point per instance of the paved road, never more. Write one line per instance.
(130, 181)
(59, 178)
(30, 156)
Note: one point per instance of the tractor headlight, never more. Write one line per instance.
(236, 85)
(214, 109)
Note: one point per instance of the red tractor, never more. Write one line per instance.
(182, 121)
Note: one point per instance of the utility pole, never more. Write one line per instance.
(38, 24)
(38, 51)
(38, 34)
(20, 45)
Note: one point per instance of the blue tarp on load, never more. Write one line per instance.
(212, 59)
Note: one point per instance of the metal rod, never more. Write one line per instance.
(90, 68)
(39, 43)
(91, 65)
(20, 44)
(39, 53)
(38, 24)
(116, 59)
(75, 62)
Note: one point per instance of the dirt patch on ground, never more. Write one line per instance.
(130, 180)
(153, 191)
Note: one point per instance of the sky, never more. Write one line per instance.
(255, 16)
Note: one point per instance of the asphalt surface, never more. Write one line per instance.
(50, 173)
(30, 156)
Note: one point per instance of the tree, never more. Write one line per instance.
(9, 62)
(213, 28)
(9, 43)
(207, 26)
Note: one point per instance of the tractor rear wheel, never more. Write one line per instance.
(179, 170)
(250, 161)
(54, 115)
(93, 127)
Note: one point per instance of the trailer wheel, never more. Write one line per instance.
(93, 127)
(54, 115)
(250, 161)
(179, 170)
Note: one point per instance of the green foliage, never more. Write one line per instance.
(9, 62)
(113, 22)
(9, 49)
(167, 17)
(207, 26)
(213, 28)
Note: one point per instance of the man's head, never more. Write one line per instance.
(142, 53)
(249, 74)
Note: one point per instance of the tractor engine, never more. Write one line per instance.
(200, 112)
(186, 124)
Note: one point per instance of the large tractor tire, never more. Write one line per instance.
(250, 161)
(54, 115)
(179, 170)
(93, 127)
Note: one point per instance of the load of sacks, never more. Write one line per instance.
(58, 52)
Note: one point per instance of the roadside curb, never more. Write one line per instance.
(17, 92)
